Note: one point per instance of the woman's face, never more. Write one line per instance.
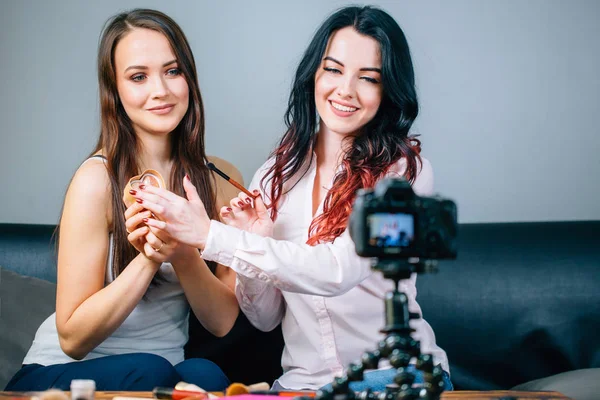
(348, 87)
(153, 91)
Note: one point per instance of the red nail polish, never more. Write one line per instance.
(248, 201)
(255, 191)
(229, 209)
(139, 201)
(132, 192)
(241, 203)
(145, 219)
(187, 177)
(142, 186)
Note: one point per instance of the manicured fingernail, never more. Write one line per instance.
(142, 186)
(229, 209)
(187, 177)
(139, 201)
(241, 203)
(132, 192)
(145, 219)
(255, 191)
(248, 201)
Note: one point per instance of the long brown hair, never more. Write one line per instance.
(380, 144)
(118, 140)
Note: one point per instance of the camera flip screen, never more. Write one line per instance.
(391, 230)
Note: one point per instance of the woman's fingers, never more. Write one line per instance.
(154, 241)
(157, 209)
(227, 214)
(237, 203)
(261, 208)
(136, 220)
(133, 209)
(156, 192)
(161, 235)
(190, 190)
(154, 223)
(151, 251)
(185, 221)
(245, 198)
(138, 234)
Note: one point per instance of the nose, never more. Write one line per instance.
(346, 88)
(159, 87)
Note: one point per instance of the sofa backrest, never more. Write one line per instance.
(521, 302)
(29, 250)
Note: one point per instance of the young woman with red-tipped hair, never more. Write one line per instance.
(349, 115)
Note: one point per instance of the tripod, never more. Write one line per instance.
(398, 347)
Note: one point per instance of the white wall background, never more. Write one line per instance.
(509, 92)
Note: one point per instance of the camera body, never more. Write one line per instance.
(392, 222)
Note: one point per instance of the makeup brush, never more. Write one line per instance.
(228, 179)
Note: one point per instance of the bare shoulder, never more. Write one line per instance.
(225, 191)
(90, 191)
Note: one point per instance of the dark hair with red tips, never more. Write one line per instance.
(381, 143)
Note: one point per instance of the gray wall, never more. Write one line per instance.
(509, 90)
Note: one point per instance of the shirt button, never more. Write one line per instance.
(263, 277)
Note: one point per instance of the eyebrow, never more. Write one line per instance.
(144, 67)
(372, 69)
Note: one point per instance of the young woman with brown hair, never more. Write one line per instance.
(125, 290)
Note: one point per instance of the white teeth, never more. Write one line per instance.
(343, 108)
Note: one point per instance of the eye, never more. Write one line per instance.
(370, 79)
(138, 77)
(332, 70)
(174, 72)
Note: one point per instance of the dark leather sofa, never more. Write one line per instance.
(521, 302)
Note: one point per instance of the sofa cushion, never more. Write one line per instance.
(25, 302)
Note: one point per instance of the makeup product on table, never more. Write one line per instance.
(83, 389)
(239, 388)
(284, 393)
(174, 394)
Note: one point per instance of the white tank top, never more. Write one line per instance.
(157, 325)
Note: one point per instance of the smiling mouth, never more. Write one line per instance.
(342, 108)
(162, 108)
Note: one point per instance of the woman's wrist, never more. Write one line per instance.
(203, 236)
(147, 262)
(184, 256)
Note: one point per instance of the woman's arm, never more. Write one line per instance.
(211, 297)
(261, 302)
(328, 269)
(87, 312)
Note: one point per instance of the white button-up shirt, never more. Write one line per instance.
(328, 299)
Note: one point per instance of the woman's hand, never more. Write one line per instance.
(176, 218)
(161, 247)
(135, 226)
(242, 215)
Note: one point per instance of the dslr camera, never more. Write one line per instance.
(392, 222)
